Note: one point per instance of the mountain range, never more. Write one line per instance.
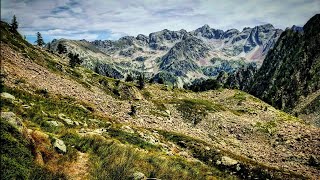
(176, 57)
(263, 61)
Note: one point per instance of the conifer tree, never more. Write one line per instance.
(39, 40)
(14, 23)
(74, 60)
(49, 45)
(141, 82)
(62, 49)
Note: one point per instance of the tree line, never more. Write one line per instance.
(14, 25)
(74, 59)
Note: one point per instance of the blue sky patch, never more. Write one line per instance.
(109, 19)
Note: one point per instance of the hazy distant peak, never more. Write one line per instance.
(266, 26)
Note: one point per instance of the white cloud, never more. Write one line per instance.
(112, 19)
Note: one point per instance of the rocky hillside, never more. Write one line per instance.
(178, 57)
(59, 122)
(289, 77)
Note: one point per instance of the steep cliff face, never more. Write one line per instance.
(291, 69)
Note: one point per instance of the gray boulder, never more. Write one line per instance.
(12, 119)
(7, 96)
(227, 161)
(65, 119)
(55, 123)
(60, 146)
(138, 176)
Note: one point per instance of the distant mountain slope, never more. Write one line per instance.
(291, 70)
(182, 56)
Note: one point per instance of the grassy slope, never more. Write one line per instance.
(114, 157)
(117, 153)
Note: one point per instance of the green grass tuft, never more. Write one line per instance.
(194, 110)
(131, 138)
(240, 96)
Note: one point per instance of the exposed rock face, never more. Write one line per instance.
(180, 54)
(292, 69)
(230, 33)
(219, 65)
(252, 133)
(297, 28)
(180, 59)
(158, 39)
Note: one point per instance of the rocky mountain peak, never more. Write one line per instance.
(205, 27)
(246, 28)
(207, 32)
(142, 37)
(64, 122)
(127, 38)
(183, 31)
(231, 32)
(266, 26)
(296, 28)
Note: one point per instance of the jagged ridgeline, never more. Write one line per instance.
(175, 57)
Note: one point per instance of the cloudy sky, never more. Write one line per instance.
(111, 19)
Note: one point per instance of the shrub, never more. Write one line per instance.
(129, 78)
(43, 92)
(133, 110)
(61, 49)
(209, 84)
(74, 60)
